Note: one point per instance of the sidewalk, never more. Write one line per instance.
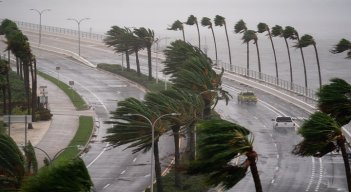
(52, 136)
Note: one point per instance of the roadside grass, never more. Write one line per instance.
(81, 137)
(133, 76)
(190, 183)
(75, 98)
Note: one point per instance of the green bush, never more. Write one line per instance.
(43, 114)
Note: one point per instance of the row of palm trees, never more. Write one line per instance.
(18, 45)
(128, 41)
(251, 35)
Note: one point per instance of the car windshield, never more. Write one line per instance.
(283, 119)
(248, 93)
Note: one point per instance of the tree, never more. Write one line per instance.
(248, 36)
(343, 45)
(69, 175)
(206, 22)
(322, 132)
(321, 135)
(191, 21)
(117, 38)
(147, 37)
(278, 31)
(263, 27)
(220, 21)
(187, 105)
(240, 27)
(177, 25)
(4, 70)
(223, 141)
(305, 41)
(136, 131)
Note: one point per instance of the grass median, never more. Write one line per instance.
(75, 98)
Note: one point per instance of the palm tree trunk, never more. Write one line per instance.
(21, 69)
(137, 62)
(247, 58)
(207, 109)
(127, 61)
(198, 34)
(256, 177)
(149, 62)
(192, 128)
(259, 61)
(4, 99)
(318, 65)
(183, 34)
(177, 180)
(275, 57)
(9, 91)
(26, 85)
(304, 64)
(17, 66)
(215, 44)
(158, 167)
(230, 55)
(34, 89)
(341, 143)
(291, 75)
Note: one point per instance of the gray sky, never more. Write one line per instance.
(315, 17)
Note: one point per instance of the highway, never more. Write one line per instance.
(120, 170)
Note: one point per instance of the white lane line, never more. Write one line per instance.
(97, 157)
(123, 172)
(320, 174)
(134, 160)
(106, 186)
(277, 156)
(272, 181)
(312, 175)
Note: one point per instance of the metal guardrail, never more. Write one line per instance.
(59, 30)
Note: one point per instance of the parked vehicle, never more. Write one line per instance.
(282, 121)
(247, 97)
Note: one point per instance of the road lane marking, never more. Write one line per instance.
(134, 160)
(312, 175)
(106, 186)
(97, 157)
(123, 172)
(320, 175)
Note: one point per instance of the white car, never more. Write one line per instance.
(281, 121)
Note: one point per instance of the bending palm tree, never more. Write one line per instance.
(147, 36)
(262, 27)
(247, 37)
(296, 36)
(222, 142)
(177, 25)
(137, 131)
(206, 22)
(343, 45)
(240, 27)
(308, 40)
(191, 21)
(220, 21)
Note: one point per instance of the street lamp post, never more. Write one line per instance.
(40, 13)
(80, 147)
(152, 124)
(78, 22)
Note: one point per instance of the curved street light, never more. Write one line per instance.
(40, 13)
(153, 138)
(57, 153)
(78, 23)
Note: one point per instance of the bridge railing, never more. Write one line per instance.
(305, 93)
(59, 30)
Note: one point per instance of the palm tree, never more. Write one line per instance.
(147, 37)
(177, 25)
(4, 70)
(136, 130)
(223, 141)
(287, 33)
(248, 36)
(12, 161)
(307, 40)
(118, 38)
(343, 45)
(322, 132)
(240, 27)
(220, 21)
(191, 21)
(295, 36)
(187, 105)
(263, 27)
(206, 22)
(321, 135)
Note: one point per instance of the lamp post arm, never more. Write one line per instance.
(47, 155)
